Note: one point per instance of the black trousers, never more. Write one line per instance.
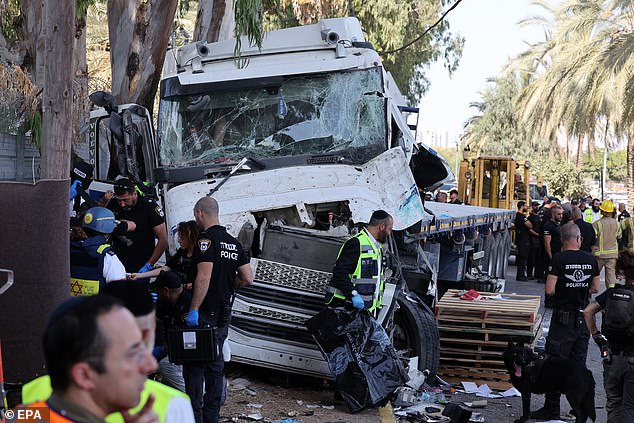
(523, 248)
(568, 341)
(534, 251)
(206, 402)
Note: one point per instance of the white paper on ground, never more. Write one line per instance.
(511, 393)
(469, 387)
(485, 391)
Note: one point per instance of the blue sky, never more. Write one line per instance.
(492, 35)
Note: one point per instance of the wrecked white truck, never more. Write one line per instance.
(299, 148)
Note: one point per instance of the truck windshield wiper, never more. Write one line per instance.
(242, 163)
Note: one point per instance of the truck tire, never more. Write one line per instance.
(415, 333)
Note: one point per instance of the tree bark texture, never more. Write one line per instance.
(81, 105)
(630, 168)
(57, 100)
(579, 151)
(139, 31)
(215, 20)
(34, 31)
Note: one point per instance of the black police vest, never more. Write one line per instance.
(619, 311)
(86, 265)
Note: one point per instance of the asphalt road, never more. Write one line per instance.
(284, 396)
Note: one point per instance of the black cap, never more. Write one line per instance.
(134, 295)
(123, 184)
(169, 280)
(534, 203)
(379, 215)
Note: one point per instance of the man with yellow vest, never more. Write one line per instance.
(357, 278)
(606, 248)
(169, 404)
(97, 363)
(592, 213)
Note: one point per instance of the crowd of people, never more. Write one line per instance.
(604, 232)
(102, 344)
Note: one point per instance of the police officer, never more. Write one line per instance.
(221, 267)
(145, 221)
(606, 247)
(587, 231)
(552, 239)
(523, 232)
(535, 267)
(617, 334)
(357, 278)
(92, 262)
(572, 276)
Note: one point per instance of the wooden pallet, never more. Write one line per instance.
(516, 311)
(473, 335)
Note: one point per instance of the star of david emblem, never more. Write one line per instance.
(76, 288)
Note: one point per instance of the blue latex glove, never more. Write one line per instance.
(357, 302)
(146, 268)
(192, 318)
(73, 189)
(154, 296)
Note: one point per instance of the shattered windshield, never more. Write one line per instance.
(342, 113)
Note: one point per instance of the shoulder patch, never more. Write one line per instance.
(204, 244)
(159, 210)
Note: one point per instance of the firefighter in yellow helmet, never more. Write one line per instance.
(606, 248)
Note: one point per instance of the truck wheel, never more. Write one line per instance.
(415, 333)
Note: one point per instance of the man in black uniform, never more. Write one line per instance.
(145, 222)
(535, 268)
(523, 232)
(588, 236)
(572, 276)
(222, 267)
(552, 239)
(618, 336)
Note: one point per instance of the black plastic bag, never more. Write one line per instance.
(360, 356)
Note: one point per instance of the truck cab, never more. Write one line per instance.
(299, 147)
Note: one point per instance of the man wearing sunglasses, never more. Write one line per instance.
(145, 240)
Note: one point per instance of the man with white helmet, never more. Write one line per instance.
(93, 263)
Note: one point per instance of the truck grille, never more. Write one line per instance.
(278, 288)
(291, 277)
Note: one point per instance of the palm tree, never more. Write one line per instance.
(583, 83)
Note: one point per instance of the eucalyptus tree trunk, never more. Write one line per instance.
(34, 39)
(630, 168)
(139, 31)
(215, 20)
(81, 110)
(57, 99)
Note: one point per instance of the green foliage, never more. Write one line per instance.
(248, 15)
(9, 11)
(497, 129)
(562, 178)
(616, 165)
(35, 126)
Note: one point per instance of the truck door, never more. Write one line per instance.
(121, 143)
